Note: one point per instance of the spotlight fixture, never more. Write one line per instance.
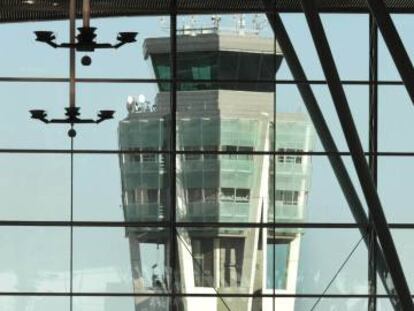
(39, 115)
(72, 114)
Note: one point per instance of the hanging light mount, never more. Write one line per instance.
(86, 37)
(72, 117)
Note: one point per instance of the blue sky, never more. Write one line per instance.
(36, 187)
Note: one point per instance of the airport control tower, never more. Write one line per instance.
(238, 187)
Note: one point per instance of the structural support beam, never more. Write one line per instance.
(373, 148)
(357, 154)
(329, 145)
(393, 41)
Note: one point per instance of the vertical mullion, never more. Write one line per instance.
(72, 93)
(173, 152)
(373, 148)
(274, 177)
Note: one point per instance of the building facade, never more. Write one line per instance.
(237, 119)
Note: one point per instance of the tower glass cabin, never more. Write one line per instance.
(236, 186)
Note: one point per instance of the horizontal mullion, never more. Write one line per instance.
(166, 224)
(36, 223)
(183, 152)
(178, 294)
(149, 80)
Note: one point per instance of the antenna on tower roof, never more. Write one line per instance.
(240, 23)
(216, 19)
(193, 22)
(164, 25)
(258, 23)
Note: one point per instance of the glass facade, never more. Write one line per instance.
(214, 188)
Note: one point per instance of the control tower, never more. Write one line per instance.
(234, 187)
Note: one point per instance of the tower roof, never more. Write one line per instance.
(210, 42)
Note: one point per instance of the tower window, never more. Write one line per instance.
(239, 195)
(227, 194)
(194, 195)
(210, 195)
(288, 197)
(289, 158)
(231, 262)
(192, 156)
(278, 251)
(148, 157)
(242, 195)
(203, 262)
(235, 152)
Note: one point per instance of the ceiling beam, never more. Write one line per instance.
(351, 135)
(394, 43)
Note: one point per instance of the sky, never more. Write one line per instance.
(37, 187)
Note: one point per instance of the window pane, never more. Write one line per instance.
(203, 262)
(277, 263)
(120, 260)
(35, 187)
(34, 303)
(194, 195)
(131, 60)
(34, 259)
(242, 195)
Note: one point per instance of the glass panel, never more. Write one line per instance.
(278, 251)
(144, 303)
(303, 304)
(34, 259)
(16, 125)
(305, 191)
(226, 47)
(220, 260)
(294, 126)
(303, 261)
(34, 303)
(321, 257)
(119, 188)
(395, 115)
(404, 25)
(22, 56)
(222, 189)
(348, 39)
(125, 260)
(35, 187)
(141, 120)
(394, 187)
(384, 304)
(224, 120)
(309, 191)
(405, 248)
(131, 60)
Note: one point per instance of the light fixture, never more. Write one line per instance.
(86, 40)
(72, 117)
(86, 37)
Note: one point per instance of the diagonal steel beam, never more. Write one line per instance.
(393, 41)
(357, 154)
(328, 143)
